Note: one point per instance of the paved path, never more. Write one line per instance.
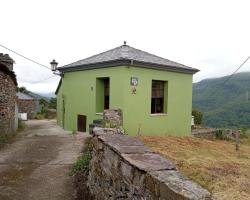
(37, 165)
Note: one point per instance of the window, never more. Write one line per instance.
(158, 98)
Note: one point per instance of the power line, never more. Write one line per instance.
(31, 61)
(25, 57)
(42, 80)
(229, 77)
(236, 70)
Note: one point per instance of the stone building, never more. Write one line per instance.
(26, 104)
(8, 106)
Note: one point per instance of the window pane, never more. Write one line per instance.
(157, 89)
(157, 99)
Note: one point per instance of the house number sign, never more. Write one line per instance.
(134, 81)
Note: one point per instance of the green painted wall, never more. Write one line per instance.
(81, 89)
(177, 120)
(59, 107)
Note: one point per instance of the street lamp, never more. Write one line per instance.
(54, 68)
(53, 65)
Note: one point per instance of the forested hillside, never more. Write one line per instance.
(224, 105)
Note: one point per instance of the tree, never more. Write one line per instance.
(22, 89)
(44, 104)
(52, 103)
(198, 116)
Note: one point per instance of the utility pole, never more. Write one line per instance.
(247, 96)
(237, 140)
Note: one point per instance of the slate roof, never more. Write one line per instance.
(24, 96)
(126, 55)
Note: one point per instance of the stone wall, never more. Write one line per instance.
(7, 61)
(123, 168)
(113, 117)
(7, 103)
(27, 106)
(204, 133)
(225, 134)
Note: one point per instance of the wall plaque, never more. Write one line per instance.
(134, 81)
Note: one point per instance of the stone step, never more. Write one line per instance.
(92, 126)
(98, 121)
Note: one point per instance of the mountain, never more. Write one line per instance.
(35, 95)
(48, 95)
(224, 104)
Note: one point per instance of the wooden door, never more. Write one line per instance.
(81, 123)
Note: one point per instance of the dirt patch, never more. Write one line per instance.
(80, 183)
(15, 173)
(213, 164)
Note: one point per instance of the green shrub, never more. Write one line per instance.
(39, 116)
(219, 134)
(244, 132)
(49, 113)
(82, 164)
(21, 125)
(198, 117)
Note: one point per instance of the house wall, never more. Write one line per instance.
(7, 104)
(59, 107)
(27, 106)
(137, 117)
(79, 91)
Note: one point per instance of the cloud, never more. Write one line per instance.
(210, 35)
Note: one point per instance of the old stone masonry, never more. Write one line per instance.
(123, 168)
(8, 83)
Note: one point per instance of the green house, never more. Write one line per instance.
(155, 94)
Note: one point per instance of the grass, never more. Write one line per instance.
(213, 164)
(39, 116)
(82, 163)
(80, 171)
(21, 125)
(6, 139)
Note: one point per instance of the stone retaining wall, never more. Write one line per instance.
(123, 168)
(7, 101)
(204, 133)
(226, 134)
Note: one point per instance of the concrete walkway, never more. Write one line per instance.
(37, 165)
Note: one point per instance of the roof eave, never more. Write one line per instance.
(58, 87)
(128, 62)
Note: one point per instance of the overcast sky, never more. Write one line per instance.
(213, 36)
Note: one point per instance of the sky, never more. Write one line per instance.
(213, 36)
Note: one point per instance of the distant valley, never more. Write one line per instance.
(224, 104)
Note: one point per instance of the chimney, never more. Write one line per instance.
(7, 61)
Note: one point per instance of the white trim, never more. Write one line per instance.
(99, 113)
(158, 114)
